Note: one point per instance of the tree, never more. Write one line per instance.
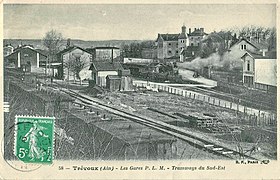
(52, 41)
(134, 50)
(272, 39)
(75, 65)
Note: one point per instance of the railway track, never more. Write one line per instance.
(193, 140)
(177, 132)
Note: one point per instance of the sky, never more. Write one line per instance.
(128, 22)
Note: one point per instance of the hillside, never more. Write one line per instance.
(37, 43)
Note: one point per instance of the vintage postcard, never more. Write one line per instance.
(129, 90)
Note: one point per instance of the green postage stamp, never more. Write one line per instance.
(34, 139)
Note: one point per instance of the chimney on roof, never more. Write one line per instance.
(263, 52)
(184, 29)
(259, 38)
(195, 29)
(112, 55)
(202, 29)
(190, 30)
(68, 43)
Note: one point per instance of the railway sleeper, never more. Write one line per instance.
(227, 152)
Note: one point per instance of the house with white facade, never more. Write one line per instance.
(259, 70)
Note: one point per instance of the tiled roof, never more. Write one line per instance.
(27, 47)
(70, 49)
(188, 51)
(113, 77)
(169, 37)
(260, 45)
(106, 48)
(244, 39)
(106, 66)
(44, 52)
(182, 36)
(215, 37)
(268, 55)
(197, 32)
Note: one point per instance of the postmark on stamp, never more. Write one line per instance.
(34, 139)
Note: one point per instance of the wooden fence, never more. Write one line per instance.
(253, 116)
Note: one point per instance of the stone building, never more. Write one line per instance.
(196, 36)
(170, 46)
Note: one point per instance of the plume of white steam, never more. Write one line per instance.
(228, 60)
(198, 63)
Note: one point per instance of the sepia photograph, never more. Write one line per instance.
(139, 82)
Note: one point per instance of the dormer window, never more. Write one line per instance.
(243, 47)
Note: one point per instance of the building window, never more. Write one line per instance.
(243, 47)
(169, 44)
(177, 52)
(248, 66)
(191, 44)
(183, 41)
(169, 52)
(25, 55)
